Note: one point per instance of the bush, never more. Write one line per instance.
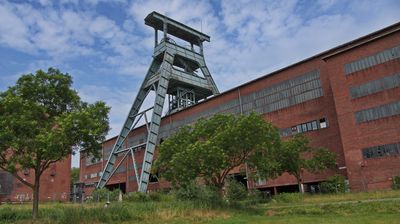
(202, 195)
(188, 193)
(289, 197)
(102, 195)
(334, 184)
(136, 197)
(396, 183)
(235, 191)
(258, 196)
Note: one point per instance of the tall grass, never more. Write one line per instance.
(117, 212)
(165, 208)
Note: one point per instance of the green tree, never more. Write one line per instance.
(74, 175)
(42, 121)
(211, 148)
(297, 155)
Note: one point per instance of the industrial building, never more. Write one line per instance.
(346, 99)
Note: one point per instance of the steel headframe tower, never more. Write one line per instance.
(172, 72)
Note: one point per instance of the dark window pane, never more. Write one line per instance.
(299, 128)
(309, 127)
(314, 125)
(304, 127)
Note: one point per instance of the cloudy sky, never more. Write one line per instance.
(106, 47)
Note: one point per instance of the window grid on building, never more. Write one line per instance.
(381, 150)
(369, 61)
(378, 112)
(375, 86)
(304, 127)
(90, 160)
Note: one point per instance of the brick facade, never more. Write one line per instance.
(54, 184)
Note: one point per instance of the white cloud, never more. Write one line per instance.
(13, 31)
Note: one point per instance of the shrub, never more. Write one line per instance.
(202, 195)
(396, 183)
(258, 196)
(289, 197)
(334, 184)
(235, 190)
(101, 195)
(188, 192)
(136, 197)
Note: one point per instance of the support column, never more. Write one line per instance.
(155, 37)
(165, 29)
(201, 48)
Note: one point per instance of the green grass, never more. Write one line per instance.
(303, 209)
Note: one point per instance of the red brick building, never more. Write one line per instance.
(54, 184)
(346, 99)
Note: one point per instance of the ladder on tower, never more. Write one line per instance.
(172, 72)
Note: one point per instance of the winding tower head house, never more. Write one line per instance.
(178, 73)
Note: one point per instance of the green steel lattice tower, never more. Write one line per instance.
(177, 72)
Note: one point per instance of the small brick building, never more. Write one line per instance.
(54, 184)
(346, 99)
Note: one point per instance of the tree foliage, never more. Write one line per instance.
(42, 121)
(211, 148)
(297, 155)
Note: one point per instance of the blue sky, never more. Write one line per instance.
(107, 48)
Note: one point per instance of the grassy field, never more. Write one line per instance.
(371, 207)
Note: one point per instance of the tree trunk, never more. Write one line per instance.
(221, 191)
(35, 208)
(301, 187)
(300, 183)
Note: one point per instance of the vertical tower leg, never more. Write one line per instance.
(161, 93)
(208, 76)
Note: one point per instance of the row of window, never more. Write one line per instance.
(378, 112)
(90, 160)
(92, 175)
(375, 86)
(294, 86)
(381, 151)
(284, 94)
(305, 127)
(369, 61)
